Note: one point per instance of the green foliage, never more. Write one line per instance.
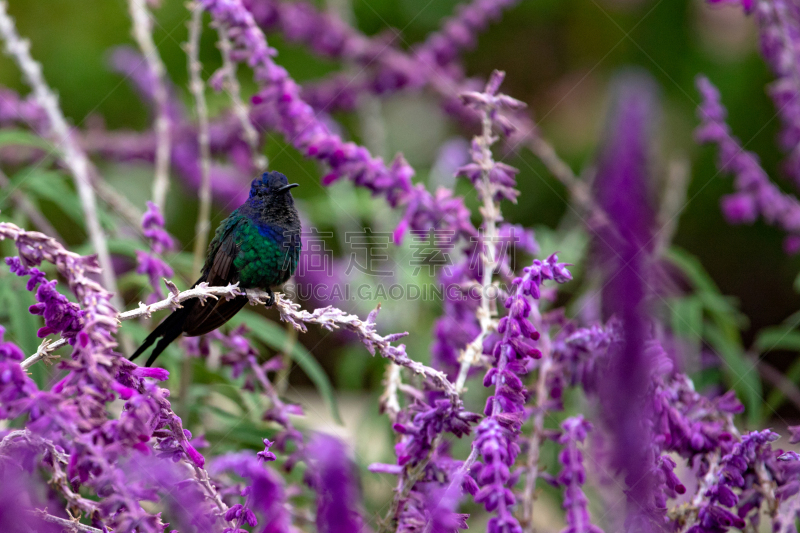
(707, 317)
(17, 137)
(277, 338)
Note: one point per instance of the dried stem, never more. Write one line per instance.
(68, 525)
(537, 435)
(329, 318)
(119, 204)
(143, 34)
(234, 90)
(43, 352)
(197, 87)
(690, 512)
(491, 217)
(332, 318)
(389, 402)
(73, 157)
(406, 482)
(672, 203)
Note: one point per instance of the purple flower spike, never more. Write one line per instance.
(497, 434)
(264, 492)
(573, 476)
(746, 457)
(779, 34)
(337, 490)
(623, 245)
(756, 194)
(60, 315)
(160, 242)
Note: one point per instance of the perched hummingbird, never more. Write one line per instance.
(258, 245)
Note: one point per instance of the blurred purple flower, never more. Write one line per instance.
(779, 35)
(387, 69)
(338, 497)
(264, 492)
(756, 194)
(573, 476)
(621, 187)
(161, 242)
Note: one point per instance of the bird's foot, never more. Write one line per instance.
(270, 298)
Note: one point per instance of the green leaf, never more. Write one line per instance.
(48, 185)
(692, 267)
(275, 337)
(53, 186)
(23, 324)
(778, 338)
(17, 137)
(740, 373)
(721, 309)
(686, 317)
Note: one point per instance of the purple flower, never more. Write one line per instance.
(621, 184)
(517, 237)
(266, 455)
(25, 112)
(387, 69)
(779, 34)
(17, 390)
(264, 492)
(458, 325)
(756, 194)
(60, 315)
(460, 31)
(338, 497)
(160, 242)
(497, 433)
(21, 492)
(74, 412)
(573, 476)
(421, 422)
(741, 462)
(129, 62)
(228, 182)
(739, 208)
(433, 500)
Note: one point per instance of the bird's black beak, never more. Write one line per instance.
(286, 188)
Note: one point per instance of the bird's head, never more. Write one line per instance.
(271, 190)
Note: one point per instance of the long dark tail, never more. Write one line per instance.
(169, 330)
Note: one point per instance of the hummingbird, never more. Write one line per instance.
(258, 245)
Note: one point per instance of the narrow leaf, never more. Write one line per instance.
(275, 337)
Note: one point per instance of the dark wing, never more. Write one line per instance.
(208, 317)
(220, 313)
